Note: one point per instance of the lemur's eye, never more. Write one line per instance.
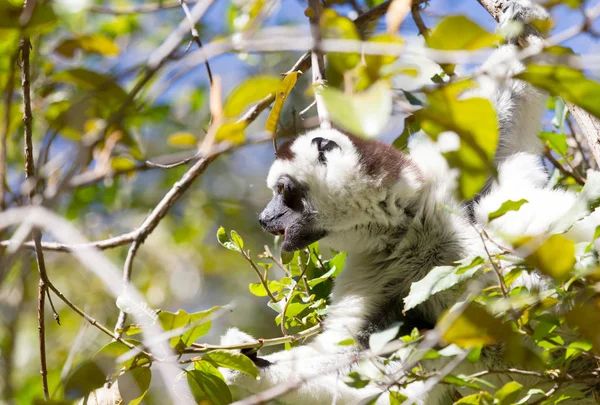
(280, 188)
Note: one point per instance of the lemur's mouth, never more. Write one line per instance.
(277, 232)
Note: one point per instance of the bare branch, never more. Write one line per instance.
(566, 172)
(25, 49)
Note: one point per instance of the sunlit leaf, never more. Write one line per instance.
(191, 326)
(566, 82)
(508, 394)
(506, 206)
(91, 43)
(481, 398)
(283, 91)
(556, 142)
(473, 327)
(232, 131)
(232, 360)
(378, 340)
(252, 90)
(121, 164)
(225, 241)
(441, 278)
(334, 26)
(397, 398)
(474, 121)
(457, 32)
(554, 257)
(355, 380)
(364, 114)
(186, 139)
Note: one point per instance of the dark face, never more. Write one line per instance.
(289, 214)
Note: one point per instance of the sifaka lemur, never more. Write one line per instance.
(384, 208)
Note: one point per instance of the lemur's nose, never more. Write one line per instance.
(261, 220)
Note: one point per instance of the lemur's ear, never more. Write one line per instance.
(324, 145)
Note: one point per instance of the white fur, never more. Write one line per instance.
(419, 228)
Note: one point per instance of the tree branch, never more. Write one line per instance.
(196, 37)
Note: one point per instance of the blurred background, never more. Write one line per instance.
(180, 265)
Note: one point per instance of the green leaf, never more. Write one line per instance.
(378, 340)
(282, 93)
(232, 360)
(577, 347)
(185, 139)
(364, 114)
(334, 26)
(481, 398)
(568, 83)
(460, 382)
(556, 142)
(441, 278)
(396, 398)
(508, 394)
(134, 385)
(554, 257)
(92, 43)
(473, 327)
(83, 379)
(355, 380)
(193, 326)
(474, 121)
(250, 91)
(457, 32)
(122, 163)
(506, 206)
(207, 384)
(237, 240)
(104, 86)
(347, 342)
(43, 19)
(225, 241)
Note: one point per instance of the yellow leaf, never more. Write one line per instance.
(94, 43)
(283, 91)
(396, 14)
(252, 90)
(334, 26)
(182, 139)
(232, 132)
(555, 257)
(474, 327)
(122, 164)
(364, 114)
(459, 33)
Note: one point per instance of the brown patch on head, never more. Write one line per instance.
(284, 151)
(380, 160)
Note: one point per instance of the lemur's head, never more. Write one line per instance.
(329, 184)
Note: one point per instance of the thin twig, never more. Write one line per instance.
(196, 37)
(263, 281)
(25, 50)
(566, 172)
(257, 344)
(291, 296)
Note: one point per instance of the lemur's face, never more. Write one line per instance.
(323, 184)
